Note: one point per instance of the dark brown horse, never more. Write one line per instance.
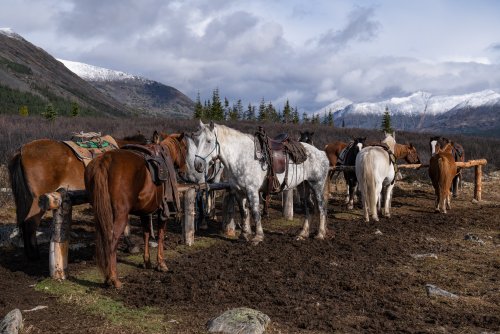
(458, 153)
(442, 170)
(39, 167)
(407, 152)
(120, 183)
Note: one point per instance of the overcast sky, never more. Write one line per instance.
(310, 52)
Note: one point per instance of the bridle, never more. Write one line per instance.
(216, 170)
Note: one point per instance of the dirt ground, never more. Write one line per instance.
(366, 278)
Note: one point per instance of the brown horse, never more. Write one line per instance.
(442, 170)
(39, 167)
(120, 183)
(458, 153)
(407, 152)
(332, 151)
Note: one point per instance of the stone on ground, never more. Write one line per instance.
(12, 323)
(241, 320)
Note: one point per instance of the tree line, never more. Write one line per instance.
(218, 110)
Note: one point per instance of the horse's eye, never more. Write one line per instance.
(209, 141)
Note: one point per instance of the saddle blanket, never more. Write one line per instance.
(86, 150)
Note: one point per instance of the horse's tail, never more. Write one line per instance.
(369, 184)
(97, 185)
(23, 199)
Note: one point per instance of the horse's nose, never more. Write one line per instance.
(198, 166)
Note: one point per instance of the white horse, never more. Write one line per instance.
(247, 174)
(376, 175)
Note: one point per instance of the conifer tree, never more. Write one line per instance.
(386, 121)
(75, 109)
(198, 108)
(295, 116)
(330, 120)
(239, 109)
(217, 113)
(50, 114)
(262, 111)
(287, 113)
(250, 115)
(305, 118)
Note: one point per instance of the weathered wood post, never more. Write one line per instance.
(478, 184)
(228, 224)
(288, 204)
(60, 203)
(189, 216)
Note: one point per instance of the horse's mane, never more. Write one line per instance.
(223, 130)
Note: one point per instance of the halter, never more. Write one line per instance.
(216, 148)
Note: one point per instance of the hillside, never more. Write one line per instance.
(32, 77)
(148, 97)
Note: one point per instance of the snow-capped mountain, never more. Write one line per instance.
(95, 73)
(10, 33)
(422, 111)
(149, 97)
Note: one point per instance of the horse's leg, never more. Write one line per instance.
(253, 199)
(346, 179)
(455, 183)
(304, 233)
(387, 201)
(448, 202)
(161, 265)
(246, 231)
(146, 231)
(119, 225)
(318, 192)
(351, 187)
(378, 191)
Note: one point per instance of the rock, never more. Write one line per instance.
(241, 320)
(12, 323)
(473, 238)
(378, 232)
(153, 244)
(433, 290)
(36, 308)
(421, 256)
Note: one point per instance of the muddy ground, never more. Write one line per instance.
(366, 278)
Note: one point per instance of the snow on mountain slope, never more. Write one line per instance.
(95, 73)
(421, 103)
(10, 33)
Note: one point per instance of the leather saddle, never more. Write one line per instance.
(278, 154)
(161, 168)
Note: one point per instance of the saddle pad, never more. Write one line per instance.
(88, 150)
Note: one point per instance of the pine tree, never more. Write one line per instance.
(330, 120)
(295, 116)
(262, 111)
(239, 109)
(75, 109)
(198, 108)
(305, 118)
(287, 113)
(217, 113)
(50, 114)
(386, 121)
(250, 115)
(23, 111)
(227, 110)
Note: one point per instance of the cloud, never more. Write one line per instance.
(360, 28)
(494, 47)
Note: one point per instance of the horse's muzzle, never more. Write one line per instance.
(199, 166)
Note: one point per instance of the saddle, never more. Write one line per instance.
(276, 152)
(87, 146)
(161, 168)
(392, 157)
(343, 154)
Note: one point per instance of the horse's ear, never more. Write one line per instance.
(156, 137)
(411, 145)
(311, 134)
(201, 124)
(212, 126)
(301, 133)
(181, 136)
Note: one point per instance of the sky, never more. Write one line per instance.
(309, 52)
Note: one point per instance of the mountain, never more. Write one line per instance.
(30, 76)
(146, 96)
(475, 113)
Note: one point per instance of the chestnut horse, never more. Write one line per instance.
(119, 183)
(40, 167)
(332, 151)
(458, 153)
(442, 170)
(407, 152)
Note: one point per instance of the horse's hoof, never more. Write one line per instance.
(230, 233)
(350, 206)
(113, 283)
(147, 265)
(257, 239)
(437, 211)
(320, 236)
(204, 226)
(162, 267)
(300, 238)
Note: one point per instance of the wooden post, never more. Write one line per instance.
(288, 204)
(228, 223)
(59, 242)
(189, 216)
(478, 184)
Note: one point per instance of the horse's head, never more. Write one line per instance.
(412, 155)
(207, 147)
(306, 137)
(177, 148)
(359, 142)
(390, 141)
(446, 148)
(437, 142)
